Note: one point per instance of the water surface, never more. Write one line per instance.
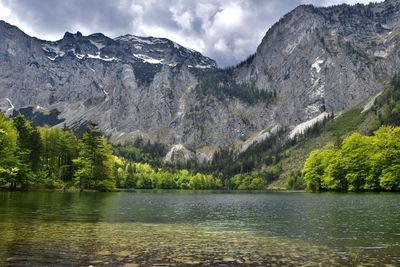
(199, 228)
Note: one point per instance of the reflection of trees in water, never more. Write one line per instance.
(49, 226)
(19, 213)
(82, 228)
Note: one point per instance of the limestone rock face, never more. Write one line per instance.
(179, 153)
(325, 59)
(316, 60)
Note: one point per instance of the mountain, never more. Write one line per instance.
(313, 62)
(326, 59)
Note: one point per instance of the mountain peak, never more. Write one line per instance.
(78, 34)
(164, 51)
(314, 60)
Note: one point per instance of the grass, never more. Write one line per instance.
(295, 157)
(348, 122)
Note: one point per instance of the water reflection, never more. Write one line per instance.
(30, 222)
(41, 228)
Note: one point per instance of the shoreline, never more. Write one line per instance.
(224, 191)
(124, 190)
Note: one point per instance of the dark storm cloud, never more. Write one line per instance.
(48, 17)
(227, 31)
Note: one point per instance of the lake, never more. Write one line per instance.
(199, 228)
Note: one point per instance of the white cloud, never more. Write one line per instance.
(229, 17)
(175, 36)
(205, 11)
(183, 18)
(7, 15)
(226, 30)
(336, 2)
(4, 12)
(221, 46)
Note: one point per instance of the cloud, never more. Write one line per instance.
(225, 30)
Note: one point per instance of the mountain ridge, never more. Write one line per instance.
(312, 61)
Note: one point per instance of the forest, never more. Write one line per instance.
(52, 158)
(34, 157)
(368, 162)
(222, 85)
(360, 163)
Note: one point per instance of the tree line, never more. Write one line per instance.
(360, 163)
(54, 158)
(221, 84)
(387, 105)
(143, 176)
(43, 157)
(260, 164)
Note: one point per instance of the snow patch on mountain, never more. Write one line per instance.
(53, 50)
(40, 108)
(79, 56)
(203, 66)
(11, 108)
(148, 59)
(102, 58)
(316, 64)
(371, 102)
(143, 40)
(300, 128)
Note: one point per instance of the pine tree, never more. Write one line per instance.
(94, 166)
(28, 142)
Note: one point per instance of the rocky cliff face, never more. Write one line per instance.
(314, 60)
(326, 59)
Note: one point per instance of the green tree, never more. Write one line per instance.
(59, 149)
(361, 163)
(334, 176)
(257, 184)
(8, 149)
(355, 155)
(29, 145)
(315, 168)
(182, 179)
(95, 162)
(390, 178)
(387, 160)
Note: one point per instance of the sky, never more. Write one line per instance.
(228, 31)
